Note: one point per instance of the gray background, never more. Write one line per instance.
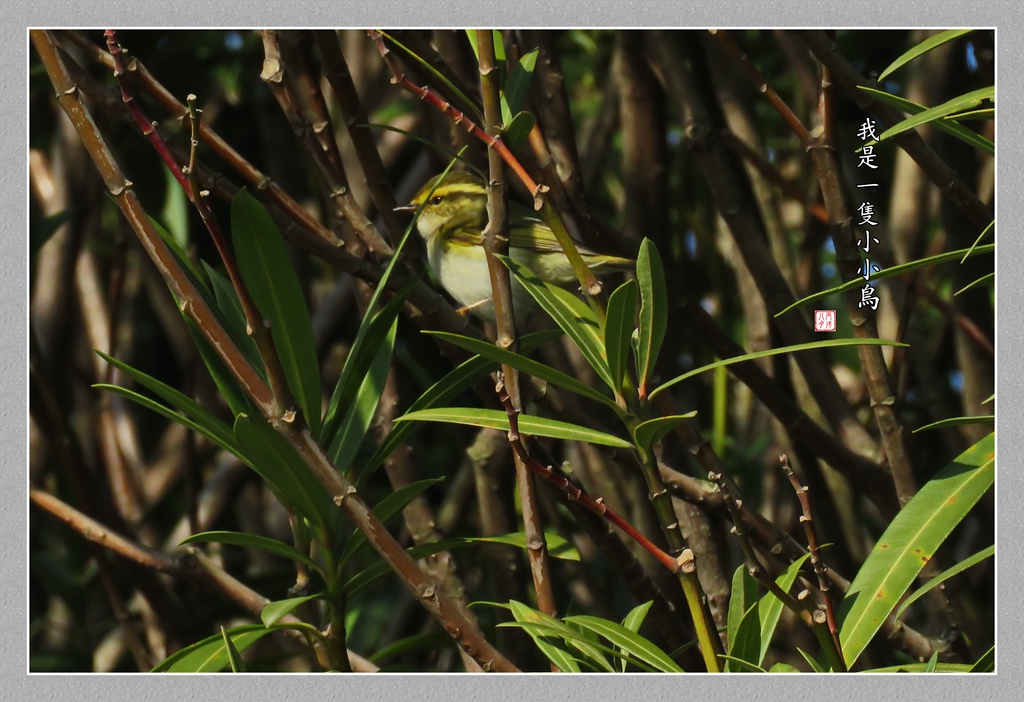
(17, 684)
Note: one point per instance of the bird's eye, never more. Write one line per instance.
(436, 199)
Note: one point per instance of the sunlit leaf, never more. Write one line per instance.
(909, 543)
(922, 48)
(530, 425)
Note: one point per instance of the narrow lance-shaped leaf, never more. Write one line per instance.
(823, 344)
(932, 114)
(210, 424)
(771, 606)
(210, 655)
(526, 365)
(650, 277)
(618, 330)
(284, 470)
(264, 265)
(892, 271)
(910, 541)
(372, 333)
(260, 543)
(464, 376)
(570, 313)
(518, 85)
(528, 424)
(954, 129)
(922, 48)
(359, 414)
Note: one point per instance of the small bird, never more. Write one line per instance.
(452, 223)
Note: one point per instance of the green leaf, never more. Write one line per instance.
(536, 625)
(531, 621)
(781, 667)
(557, 546)
(210, 655)
(910, 541)
(260, 543)
(359, 414)
(570, 313)
(923, 47)
(957, 104)
(230, 312)
(636, 616)
(273, 612)
(920, 668)
(653, 312)
(618, 330)
(740, 665)
(175, 209)
(743, 594)
(264, 266)
(954, 129)
(652, 431)
(211, 425)
(771, 606)
(526, 365)
(628, 641)
(987, 662)
(980, 281)
(944, 576)
(284, 470)
(182, 257)
(234, 657)
(428, 642)
(823, 344)
(236, 399)
(518, 85)
(455, 382)
(984, 232)
(746, 647)
(531, 425)
(228, 443)
(425, 65)
(517, 130)
(892, 271)
(815, 665)
(372, 335)
(955, 421)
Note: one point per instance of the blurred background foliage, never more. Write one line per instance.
(636, 175)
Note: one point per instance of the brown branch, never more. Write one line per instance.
(496, 243)
(750, 70)
(733, 197)
(356, 120)
(343, 492)
(938, 171)
(827, 164)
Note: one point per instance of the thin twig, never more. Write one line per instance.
(807, 520)
(294, 432)
(537, 190)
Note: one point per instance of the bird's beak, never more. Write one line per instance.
(406, 208)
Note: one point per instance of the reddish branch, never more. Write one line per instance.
(573, 493)
(424, 93)
(807, 520)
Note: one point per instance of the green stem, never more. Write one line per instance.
(707, 634)
(334, 640)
